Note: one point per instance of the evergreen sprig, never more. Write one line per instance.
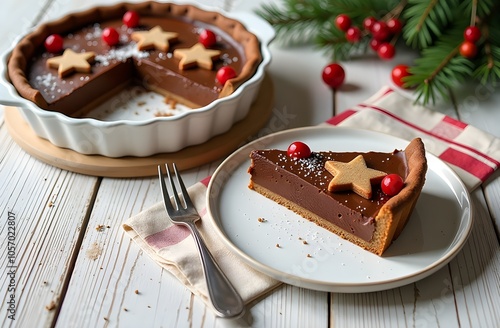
(305, 21)
(426, 20)
(488, 64)
(433, 27)
(440, 67)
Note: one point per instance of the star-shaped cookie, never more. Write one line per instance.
(355, 176)
(71, 61)
(155, 38)
(197, 55)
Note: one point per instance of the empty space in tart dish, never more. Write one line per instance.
(136, 103)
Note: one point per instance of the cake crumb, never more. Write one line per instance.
(94, 251)
(136, 292)
(261, 220)
(51, 306)
(162, 114)
(305, 242)
(278, 246)
(309, 255)
(141, 103)
(99, 227)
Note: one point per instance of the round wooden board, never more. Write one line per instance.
(125, 167)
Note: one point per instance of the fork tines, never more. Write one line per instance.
(166, 196)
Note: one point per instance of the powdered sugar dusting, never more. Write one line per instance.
(121, 54)
(46, 80)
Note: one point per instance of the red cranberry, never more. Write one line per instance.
(54, 43)
(333, 75)
(392, 184)
(225, 73)
(298, 150)
(343, 22)
(380, 31)
(398, 73)
(468, 49)
(375, 44)
(353, 34)
(386, 51)
(110, 36)
(472, 34)
(368, 23)
(131, 18)
(207, 38)
(394, 25)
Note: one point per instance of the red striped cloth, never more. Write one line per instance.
(473, 154)
(173, 248)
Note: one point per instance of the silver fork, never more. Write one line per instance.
(223, 296)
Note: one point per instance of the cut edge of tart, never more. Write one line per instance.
(19, 60)
(390, 218)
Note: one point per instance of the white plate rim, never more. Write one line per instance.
(457, 243)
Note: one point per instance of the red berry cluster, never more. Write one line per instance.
(468, 48)
(380, 31)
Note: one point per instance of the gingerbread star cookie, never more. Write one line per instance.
(355, 176)
(155, 38)
(197, 55)
(71, 61)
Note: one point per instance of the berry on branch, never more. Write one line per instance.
(472, 34)
(386, 51)
(398, 73)
(343, 22)
(353, 34)
(468, 49)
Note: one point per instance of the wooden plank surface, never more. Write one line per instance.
(71, 274)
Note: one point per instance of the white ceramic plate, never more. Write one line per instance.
(437, 230)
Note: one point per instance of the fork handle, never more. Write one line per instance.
(225, 299)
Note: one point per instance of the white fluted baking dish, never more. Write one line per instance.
(145, 136)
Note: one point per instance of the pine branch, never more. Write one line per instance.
(488, 64)
(334, 43)
(302, 21)
(434, 27)
(425, 21)
(483, 7)
(440, 67)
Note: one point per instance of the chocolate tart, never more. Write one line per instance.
(302, 186)
(117, 66)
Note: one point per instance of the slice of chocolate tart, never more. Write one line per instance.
(308, 186)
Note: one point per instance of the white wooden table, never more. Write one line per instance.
(56, 212)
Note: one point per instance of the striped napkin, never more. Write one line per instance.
(472, 153)
(173, 248)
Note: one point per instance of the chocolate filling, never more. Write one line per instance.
(116, 66)
(305, 181)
